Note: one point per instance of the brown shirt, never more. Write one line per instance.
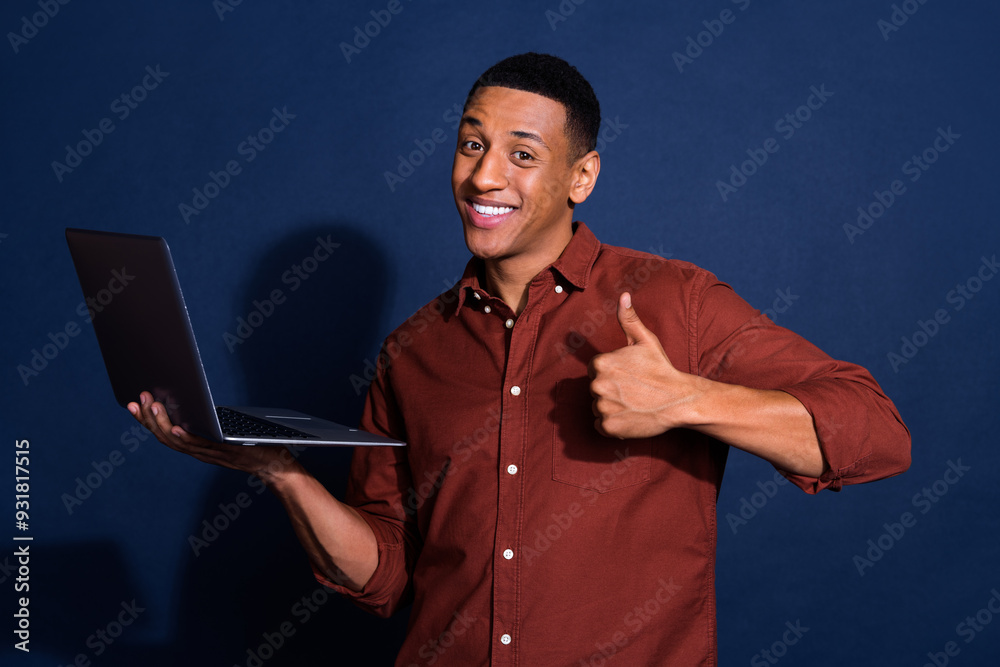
(521, 535)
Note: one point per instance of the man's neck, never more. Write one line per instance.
(508, 284)
(508, 279)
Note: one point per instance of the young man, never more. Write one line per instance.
(556, 501)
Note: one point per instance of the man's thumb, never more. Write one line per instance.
(628, 319)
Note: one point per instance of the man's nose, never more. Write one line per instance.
(490, 172)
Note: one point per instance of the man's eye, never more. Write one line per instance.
(472, 145)
(521, 155)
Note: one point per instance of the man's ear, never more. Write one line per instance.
(585, 171)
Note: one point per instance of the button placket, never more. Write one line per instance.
(507, 570)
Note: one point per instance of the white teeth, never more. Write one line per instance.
(492, 210)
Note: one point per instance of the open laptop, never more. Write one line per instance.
(142, 326)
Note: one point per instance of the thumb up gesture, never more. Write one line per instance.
(637, 391)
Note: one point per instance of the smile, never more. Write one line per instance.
(489, 211)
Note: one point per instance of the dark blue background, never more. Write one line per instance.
(671, 135)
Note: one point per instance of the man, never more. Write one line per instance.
(556, 501)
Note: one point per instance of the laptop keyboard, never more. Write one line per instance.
(243, 425)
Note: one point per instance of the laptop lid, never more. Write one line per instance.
(135, 304)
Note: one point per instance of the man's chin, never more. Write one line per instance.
(484, 243)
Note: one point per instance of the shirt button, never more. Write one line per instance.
(512, 469)
(504, 638)
(487, 309)
(476, 296)
(559, 289)
(508, 554)
(515, 390)
(509, 324)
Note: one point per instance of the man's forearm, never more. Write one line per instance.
(339, 543)
(767, 423)
(639, 393)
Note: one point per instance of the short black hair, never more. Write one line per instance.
(554, 78)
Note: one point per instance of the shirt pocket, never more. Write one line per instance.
(583, 457)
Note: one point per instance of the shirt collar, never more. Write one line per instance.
(574, 265)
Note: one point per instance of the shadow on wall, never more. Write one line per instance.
(246, 600)
(333, 286)
(245, 594)
(250, 594)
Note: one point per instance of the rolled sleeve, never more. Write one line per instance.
(379, 478)
(860, 432)
(388, 588)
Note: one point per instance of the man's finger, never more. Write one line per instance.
(161, 417)
(144, 416)
(153, 415)
(628, 319)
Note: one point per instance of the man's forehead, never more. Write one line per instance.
(517, 111)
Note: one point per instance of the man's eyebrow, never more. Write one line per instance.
(520, 134)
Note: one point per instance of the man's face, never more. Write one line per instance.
(512, 177)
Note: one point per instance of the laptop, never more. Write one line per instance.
(135, 303)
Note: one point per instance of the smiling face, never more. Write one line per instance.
(513, 178)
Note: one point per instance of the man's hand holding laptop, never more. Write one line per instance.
(265, 461)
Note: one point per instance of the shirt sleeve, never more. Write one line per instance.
(860, 432)
(377, 486)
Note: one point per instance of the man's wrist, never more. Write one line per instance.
(700, 406)
(282, 473)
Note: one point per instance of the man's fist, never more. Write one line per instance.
(637, 391)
